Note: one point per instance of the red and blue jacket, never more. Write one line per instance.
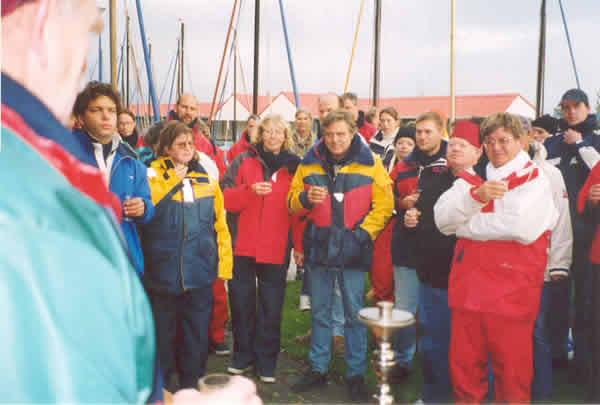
(340, 230)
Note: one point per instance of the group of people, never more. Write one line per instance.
(117, 246)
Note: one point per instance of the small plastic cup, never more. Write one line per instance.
(125, 198)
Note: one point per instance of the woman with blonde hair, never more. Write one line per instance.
(303, 137)
(255, 188)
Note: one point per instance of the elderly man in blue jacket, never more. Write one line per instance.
(96, 109)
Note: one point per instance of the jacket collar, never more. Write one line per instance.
(585, 127)
(39, 118)
(419, 158)
(358, 153)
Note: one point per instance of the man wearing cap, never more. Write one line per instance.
(434, 253)
(498, 265)
(551, 316)
(575, 150)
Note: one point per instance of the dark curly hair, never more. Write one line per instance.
(92, 91)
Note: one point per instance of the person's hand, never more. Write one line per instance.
(411, 218)
(594, 196)
(491, 190)
(239, 391)
(261, 188)
(298, 258)
(316, 194)
(409, 201)
(556, 277)
(181, 171)
(571, 136)
(134, 207)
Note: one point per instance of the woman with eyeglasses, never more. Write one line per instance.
(255, 187)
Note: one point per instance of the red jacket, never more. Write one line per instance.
(241, 146)
(367, 131)
(593, 178)
(263, 222)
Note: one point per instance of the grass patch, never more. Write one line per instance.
(295, 323)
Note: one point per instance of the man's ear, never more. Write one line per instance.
(40, 13)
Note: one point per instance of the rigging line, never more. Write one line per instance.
(174, 76)
(93, 71)
(162, 92)
(137, 76)
(564, 19)
(244, 84)
(371, 65)
(362, 4)
(222, 98)
(289, 54)
(212, 107)
(189, 72)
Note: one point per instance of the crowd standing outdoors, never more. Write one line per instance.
(118, 258)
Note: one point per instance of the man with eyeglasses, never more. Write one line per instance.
(498, 267)
(575, 150)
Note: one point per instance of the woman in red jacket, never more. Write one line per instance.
(255, 187)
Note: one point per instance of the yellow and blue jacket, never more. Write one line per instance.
(341, 229)
(187, 242)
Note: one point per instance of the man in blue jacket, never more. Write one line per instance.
(575, 151)
(96, 109)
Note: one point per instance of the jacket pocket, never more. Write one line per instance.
(357, 252)
(316, 243)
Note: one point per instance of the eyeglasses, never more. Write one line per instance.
(500, 141)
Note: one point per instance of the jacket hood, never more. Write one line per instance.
(420, 158)
(359, 152)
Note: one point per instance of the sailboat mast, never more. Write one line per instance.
(539, 94)
(113, 43)
(376, 65)
(256, 54)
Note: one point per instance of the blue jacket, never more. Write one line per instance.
(575, 162)
(187, 243)
(127, 177)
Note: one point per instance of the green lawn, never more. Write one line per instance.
(296, 323)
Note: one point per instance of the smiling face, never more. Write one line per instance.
(303, 123)
(501, 147)
(338, 138)
(404, 147)
(273, 136)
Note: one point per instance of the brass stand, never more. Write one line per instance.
(384, 320)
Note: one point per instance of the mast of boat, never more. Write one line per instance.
(100, 57)
(452, 91)
(539, 94)
(376, 67)
(256, 54)
(113, 43)
(128, 46)
(181, 65)
(234, 124)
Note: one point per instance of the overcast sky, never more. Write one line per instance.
(495, 47)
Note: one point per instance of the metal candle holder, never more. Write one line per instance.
(384, 320)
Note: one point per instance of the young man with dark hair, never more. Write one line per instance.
(96, 109)
(575, 150)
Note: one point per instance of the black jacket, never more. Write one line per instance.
(433, 250)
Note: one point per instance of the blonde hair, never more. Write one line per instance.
(509, 122)
(274, 119)
(431, 116)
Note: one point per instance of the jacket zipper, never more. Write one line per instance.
(182, 245)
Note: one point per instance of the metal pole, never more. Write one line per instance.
(234, 126)
(376, 56)
(539, 94)
(113, 43)
(100, 57)
(128, 50)
(452, 95)
(289, 54)
(150, 60)
(182, 55)
(148, 68)
(256, 54)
